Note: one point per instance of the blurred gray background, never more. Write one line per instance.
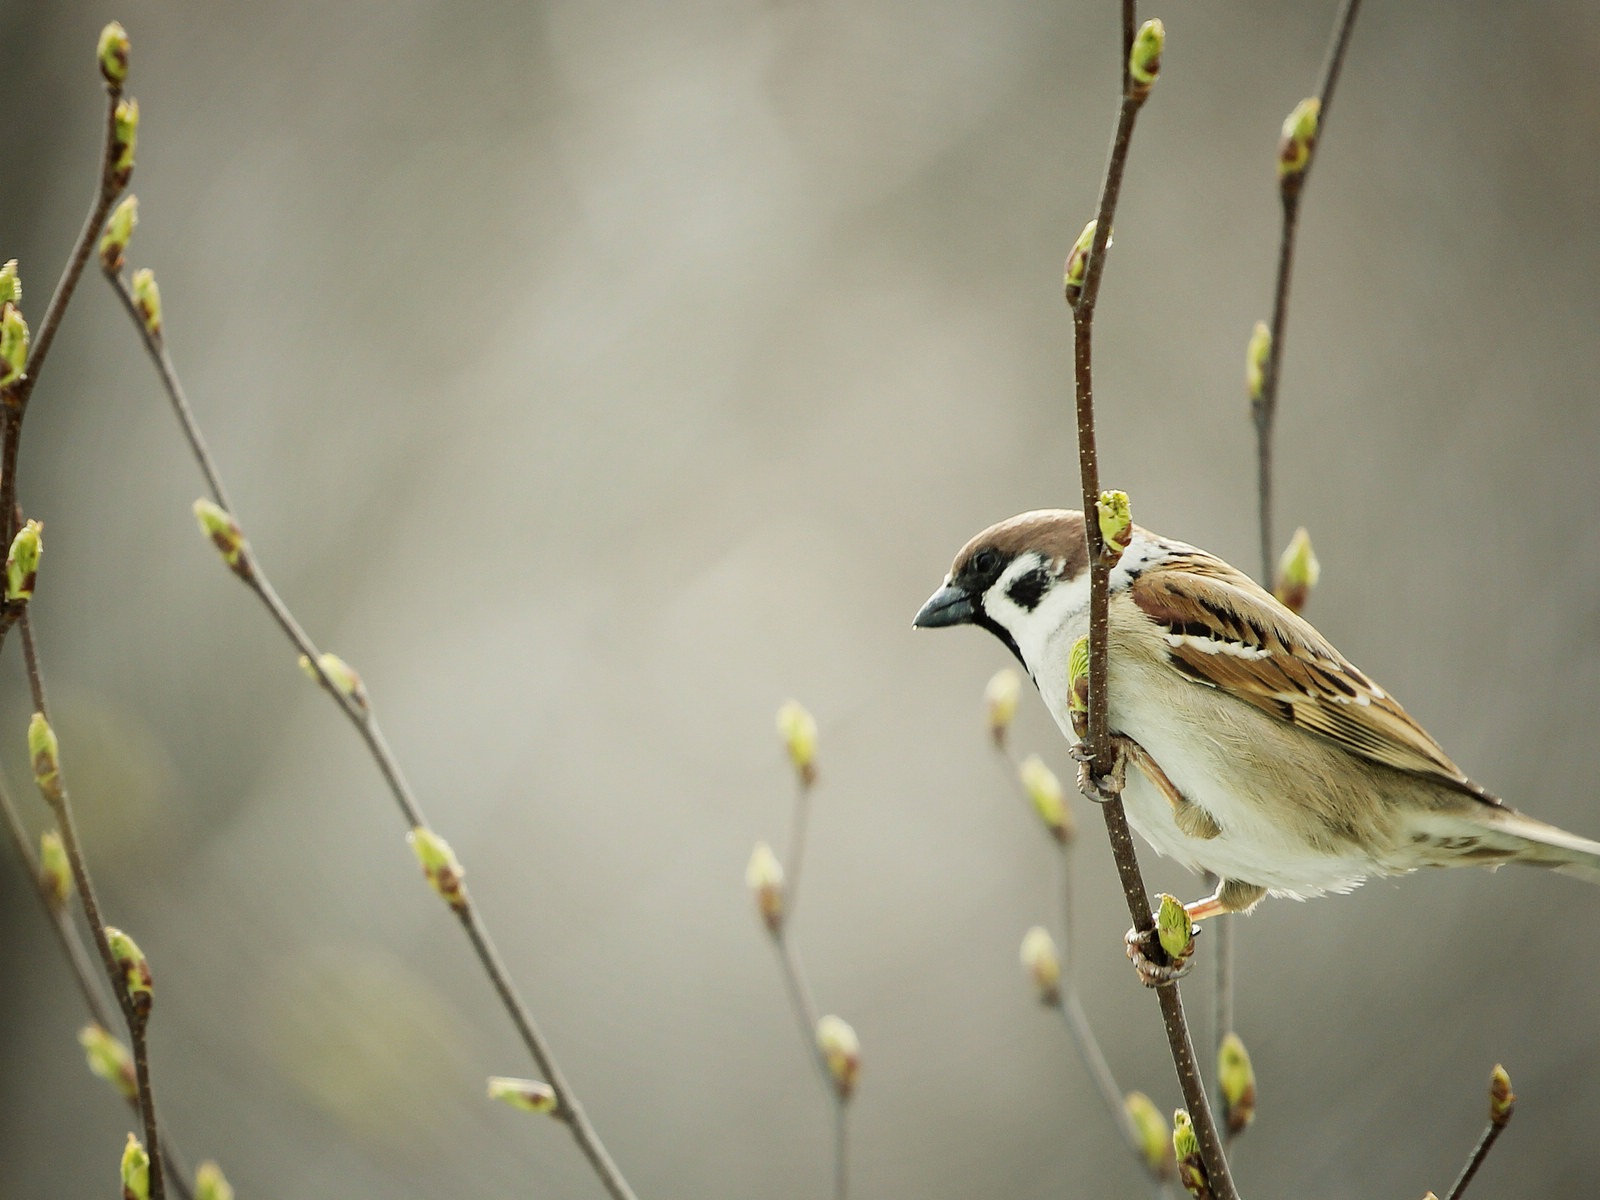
(594, 375)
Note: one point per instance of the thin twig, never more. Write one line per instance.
(1098, 740)
(136, 1019)
(365, 721)
(1479, 1152)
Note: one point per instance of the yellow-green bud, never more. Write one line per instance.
(1049, 801)
(1078, 261)
(1501, 1098)
(13, 344)
(109, 1060)
(147, 299)
(841, 1050)
(764, 877)
(113, 54)
(119, 230)
(530, 1095)
(55, 872)
(439, 864)
(210, 1183)
(339, 673)
(44, 751)
(135, 1171)
(1298, 572)
(10, 283)
(1237, 1078)
(225, 535)
(1078, 685)
(799, 731)
(1043, 964)
(1174, 928)
(1186, 1148)
(1298, 141)
(1256, 353)
(1116, 522)
(135, 969)
(1144, 61)
(1151, 1132)
(1000, 698)
(125, 120)
(22, 563)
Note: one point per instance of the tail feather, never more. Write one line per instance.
(1489, 835)
(1545, 845)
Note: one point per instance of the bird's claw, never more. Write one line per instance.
(1103, 788)
(1153, 964)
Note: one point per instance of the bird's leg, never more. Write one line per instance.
(1109, 786)
(1193, 820)
(1154, 966)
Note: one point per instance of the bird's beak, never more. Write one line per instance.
(950, 605)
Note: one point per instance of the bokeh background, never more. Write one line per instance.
(596, 374)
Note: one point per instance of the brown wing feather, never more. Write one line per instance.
(1279, 663)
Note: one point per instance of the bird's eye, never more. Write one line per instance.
(986, 561)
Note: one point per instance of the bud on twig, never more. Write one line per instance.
(55, 872)
(10, 284)
(1043, 964)
(1049, 801)
(1298, 572)
(341, 674)
(225, 535)
(1078, 686)
(1297, 143)
(109, 1060)
(45, 753)
(1151, 1131)
(136, 976)
(120, 225)
(1256, 353)
(135, 1171)
(1144, 61)
(1174, 929)
(1501, 1098)
(799, 731)
(1000, 698)
(210, 1183)
(1186, 1148)
(113, 54)
(841, 1049)
(13, 344)
(22, 563)
(1116, 523)
(1237, 1078)
(530, 1095)
(125, 120)
(1078, 261)
(764, 877)
(147, 299)
(440, 865)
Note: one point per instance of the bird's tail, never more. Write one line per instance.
(1493, 834)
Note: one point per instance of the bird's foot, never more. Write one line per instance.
(1153, 964)
(1108, 787)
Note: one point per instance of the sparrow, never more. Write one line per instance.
(1260, 753)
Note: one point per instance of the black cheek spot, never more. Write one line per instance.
(1027, 590)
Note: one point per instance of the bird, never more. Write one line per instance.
(1260, 754)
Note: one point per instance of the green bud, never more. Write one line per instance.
(1298, 141)
(147, 299)
(1151, 1132)
(1049, 801)
(22, 563)
(13, 344)
(530, 1095)
(340, 673)
(799, 731)
(439, 863)
(764, 877)
(109, 1060)
(1144, 61)
(1186, 1147)
(44, 751)
(841, 1049)
(1237, 1078)
(113, 54)
(1256, 354)
(1298, 572)
(119, 229)
(1078, 261)
(1000, 699)
(210, 1183)
(225, 534)
(10, 284)
(1174, 928)
(1116, 522)
(135, 969)
(1043, 963)
(135, 1171)
(1078, 684)
(125, 119)
(1501, 1098)
(55, 872)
